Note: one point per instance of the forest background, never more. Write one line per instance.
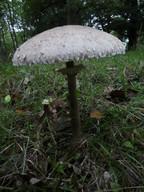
(22, 19)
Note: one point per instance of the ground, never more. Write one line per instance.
(37, 151)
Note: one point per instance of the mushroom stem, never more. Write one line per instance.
(75, 116)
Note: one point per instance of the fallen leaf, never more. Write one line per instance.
(34, 181)
(20, 112)
(120, 95)
(7, 99)
(128, 144)
(59, 103)
(16, 96)
(116, 95)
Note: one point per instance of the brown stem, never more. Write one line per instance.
(75, 116)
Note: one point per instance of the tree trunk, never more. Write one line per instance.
(10, 20)
(11, 34)
(73, 17)
(3, 42)
(133, 25)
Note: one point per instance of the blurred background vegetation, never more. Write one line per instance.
(21, 19)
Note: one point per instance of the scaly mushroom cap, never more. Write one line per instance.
(67, 43)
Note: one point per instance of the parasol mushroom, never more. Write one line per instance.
(68, 43)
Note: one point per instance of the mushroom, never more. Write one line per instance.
(68, 43)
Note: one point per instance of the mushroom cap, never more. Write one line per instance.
(67, 43)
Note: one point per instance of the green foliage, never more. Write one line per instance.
(11, 21)
(124, 85)
(7, 99)
(42, 15)
(20, 20)
(128, 144)
(41, 156)
(123, 17)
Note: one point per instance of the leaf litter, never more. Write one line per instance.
(119, 95)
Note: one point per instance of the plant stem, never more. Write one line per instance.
(75, 116)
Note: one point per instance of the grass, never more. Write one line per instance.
(36, 154)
